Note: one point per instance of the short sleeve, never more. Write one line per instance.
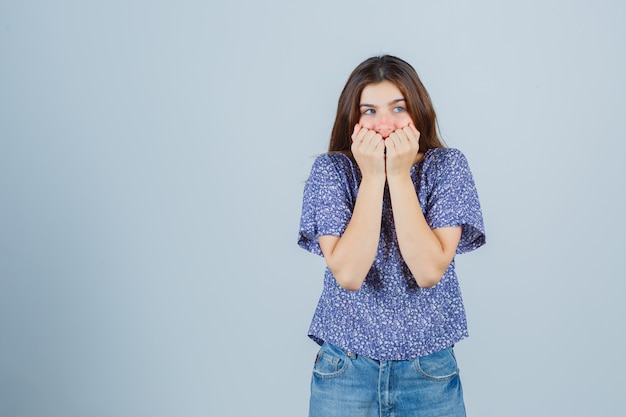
(326, 204)
(453, 200)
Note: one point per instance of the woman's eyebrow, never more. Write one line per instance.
(390, 103)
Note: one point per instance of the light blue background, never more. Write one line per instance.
(152, 159)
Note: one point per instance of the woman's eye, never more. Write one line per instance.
(369, 111)
(399, 109)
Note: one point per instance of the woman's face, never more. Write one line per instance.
(383, 109)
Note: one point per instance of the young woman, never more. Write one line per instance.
(388, 207)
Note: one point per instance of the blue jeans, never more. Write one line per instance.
(347, 385)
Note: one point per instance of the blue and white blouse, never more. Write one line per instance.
(390, 317)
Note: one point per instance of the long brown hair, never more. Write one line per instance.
(373, 71)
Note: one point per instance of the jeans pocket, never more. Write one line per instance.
(438, 366)
(330, 362)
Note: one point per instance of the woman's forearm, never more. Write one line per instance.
(351, 256)
(426, 252)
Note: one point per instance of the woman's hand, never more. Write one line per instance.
(368, 149)
(402, 150)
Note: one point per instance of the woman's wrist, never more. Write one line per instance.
(399, 178)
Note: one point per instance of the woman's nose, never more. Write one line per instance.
(383, 122)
